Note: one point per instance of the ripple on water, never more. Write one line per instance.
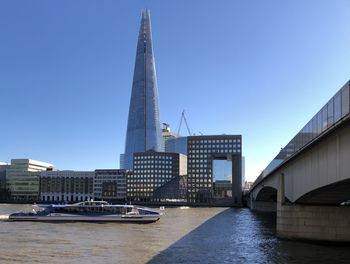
(195, 235)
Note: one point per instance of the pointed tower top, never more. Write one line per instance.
(145, 13)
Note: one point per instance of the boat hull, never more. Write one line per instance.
(82, 218)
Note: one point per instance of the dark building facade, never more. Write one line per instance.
(4, 192)
(202, 184)
(174, 191)
(110, 185)
(143, 130)
(66, 186)
(153, 170)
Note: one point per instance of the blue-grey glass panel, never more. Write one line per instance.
(330, 110)
(319, 122)
(304, 138)
(345, 100)
(309, 131)
(337, 107)
(314, 127)
(324, 118)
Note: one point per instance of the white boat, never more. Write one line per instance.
(89, 211)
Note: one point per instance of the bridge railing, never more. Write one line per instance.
(336, 109)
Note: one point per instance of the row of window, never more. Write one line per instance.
(145, 185)
(144, 172)
(199, 187)
(204, 141)
(153, 157)
(214, 146)
(198, 165)
(198, 180)
(222, 150)
(198, 176)
(151, 167)
(65, 198)
(141, 194)
(150, 180)
(197, 170)
(153, 162)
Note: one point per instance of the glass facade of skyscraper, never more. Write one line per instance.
(144, 130)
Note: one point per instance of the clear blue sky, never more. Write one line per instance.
(257, 68)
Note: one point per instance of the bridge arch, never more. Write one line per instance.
(332, 194)
(267, 194)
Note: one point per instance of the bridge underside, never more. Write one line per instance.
(333, 194)
(265, 201)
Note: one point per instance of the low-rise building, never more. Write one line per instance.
(110, 185)
(23, 177)
(151, 171)
(66, 186)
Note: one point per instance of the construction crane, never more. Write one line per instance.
(183, 117)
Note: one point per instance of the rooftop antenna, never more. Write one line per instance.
(166, 126)
(183, 117)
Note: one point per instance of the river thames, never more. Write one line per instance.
(194, 235)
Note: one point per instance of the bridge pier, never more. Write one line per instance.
(322, 223)
(311, 222)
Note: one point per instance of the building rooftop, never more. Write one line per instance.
(34, 162)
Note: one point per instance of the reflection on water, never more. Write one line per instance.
(195, 235)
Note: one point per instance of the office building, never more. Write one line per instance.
(4, 194)
(151, 171)
(66, 186)
(110, 185)
(23, 177)
(173, 191)
(143, 130)
(176, 145)
(214, 164)
(3, 167)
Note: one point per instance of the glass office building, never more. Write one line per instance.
(144, 130)
(23, 178)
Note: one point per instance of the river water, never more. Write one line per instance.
(194, 235)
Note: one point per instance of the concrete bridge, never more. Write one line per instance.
(308, 183)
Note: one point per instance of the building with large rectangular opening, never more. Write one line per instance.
(214, 170)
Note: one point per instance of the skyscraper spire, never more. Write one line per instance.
(143, 132)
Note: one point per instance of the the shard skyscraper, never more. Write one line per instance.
(144, 129)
